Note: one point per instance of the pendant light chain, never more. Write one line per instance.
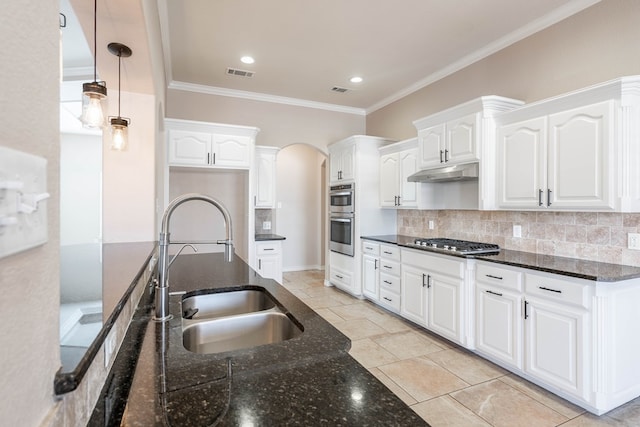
(95, 40)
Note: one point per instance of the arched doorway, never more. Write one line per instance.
(301, 206)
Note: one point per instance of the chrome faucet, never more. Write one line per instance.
(162, 288)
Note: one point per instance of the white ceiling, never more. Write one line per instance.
(303, 48)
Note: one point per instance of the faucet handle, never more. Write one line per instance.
(178, 253)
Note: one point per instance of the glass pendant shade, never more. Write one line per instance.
(119, 133)
(93, 95)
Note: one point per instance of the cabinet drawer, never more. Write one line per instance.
(557, 289)
(390, 252)
(389, 267)
(370, 247)
(390, 299)
(499, 276)
(444, 264)
(267, 248)
(391, 283)
(340, 277)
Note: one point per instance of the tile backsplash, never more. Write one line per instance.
(263, 215)
(593, 236)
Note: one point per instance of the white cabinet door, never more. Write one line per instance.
(269, 266)
(348, 163)
(413, 300)
(522, 165)
(342, 163)
(461, 137)
(408, 161)
(431, 146)
(444, 306)
(265, 179)
(189, 148)
(555, 345)
(370, 277)
(389, 170)
(499, 324)
(580, 171)
(231, 151)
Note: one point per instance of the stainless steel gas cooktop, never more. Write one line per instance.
(463, 247)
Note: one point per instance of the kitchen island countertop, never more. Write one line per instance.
(308, 380)
(573, 267)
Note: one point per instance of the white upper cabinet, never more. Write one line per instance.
(558, 162)
(455, 141)
(573, 152)
(342, 163)
(397, 162)
(209, 145)
(265, 196)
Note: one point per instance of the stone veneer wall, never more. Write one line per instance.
(592, 236)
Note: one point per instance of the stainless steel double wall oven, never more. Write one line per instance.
(342, 218)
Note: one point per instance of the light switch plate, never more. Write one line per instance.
(266, 225)
(634, 241)
(517, 231)
(23, 201)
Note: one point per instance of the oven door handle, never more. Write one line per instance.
(342, 219)
(342, 193)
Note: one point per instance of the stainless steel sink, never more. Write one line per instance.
(223, 304)
(238, 332)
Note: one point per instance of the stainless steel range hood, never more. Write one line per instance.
(465, 172)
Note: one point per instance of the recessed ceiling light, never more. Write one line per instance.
(356, 79)
(247, 60)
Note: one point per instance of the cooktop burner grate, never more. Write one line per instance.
(463, 247)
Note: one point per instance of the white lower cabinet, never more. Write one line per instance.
(269, 259)
(433, 289)
(538, 328)
(370, 273)
(499, 319)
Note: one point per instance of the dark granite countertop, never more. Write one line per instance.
(583, 269)
(264, 237)
(307, 380)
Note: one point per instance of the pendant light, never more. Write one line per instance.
(95, 92)
(119, 125)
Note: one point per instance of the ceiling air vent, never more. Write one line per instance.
(239, 73)
(339, 89)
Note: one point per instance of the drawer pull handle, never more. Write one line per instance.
(268, 249)
(387, 282)
(494, 293)
(375, 264)
(526, 315)
(388, 267)
(368, 248)
(386, 252)
(550, 290)
(339, 276)
(388, 299)
(493, 277)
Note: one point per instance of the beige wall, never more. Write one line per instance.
(596, 45)
(280, 125)
(128, 176)
(29, 84)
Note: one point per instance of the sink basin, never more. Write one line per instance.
(223, 304)
(238, 332)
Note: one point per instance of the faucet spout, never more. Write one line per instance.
(162, 288)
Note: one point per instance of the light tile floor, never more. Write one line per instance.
(445, 384)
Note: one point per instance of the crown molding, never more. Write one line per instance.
(255, 96)
(533, 27)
